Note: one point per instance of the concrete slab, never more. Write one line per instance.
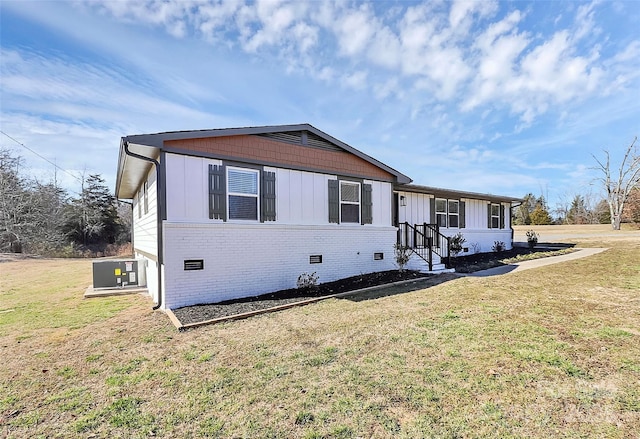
(536, 263)
(91, 292)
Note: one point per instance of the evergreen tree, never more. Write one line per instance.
(93, 218)
(540, 216)
(578, 213)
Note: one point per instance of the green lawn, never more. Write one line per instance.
(550, 352)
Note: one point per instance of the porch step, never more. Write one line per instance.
(440, 268)
(418, 264)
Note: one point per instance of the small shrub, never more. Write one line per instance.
(307, 281)
(402, 254)
(455, 243)
(532, 238)
(476, 247)
(498, 246)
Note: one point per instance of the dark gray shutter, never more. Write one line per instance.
(432, 210)
(502, 216)
(334, 201)
(489, 215)
(367, 204)
(217, 193)
(268, 197)
(461, 216)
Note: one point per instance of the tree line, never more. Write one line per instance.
(42, 218)
(579, 209)
(621, 203)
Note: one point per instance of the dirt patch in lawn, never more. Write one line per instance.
(204, 312)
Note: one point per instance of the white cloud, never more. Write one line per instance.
(274, 20)
(389, 88)
(354, 29)
(356, 80)
(462, 11)
(385, 49)
(460, 51)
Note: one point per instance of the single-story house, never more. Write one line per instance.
(228, 213)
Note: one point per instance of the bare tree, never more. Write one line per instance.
(618, 187)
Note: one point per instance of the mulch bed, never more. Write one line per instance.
(462, 264)
(200, 313)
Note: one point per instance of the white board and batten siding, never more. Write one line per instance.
(301, 196)
(476, 230)
(145, 231)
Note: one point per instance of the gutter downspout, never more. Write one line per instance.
(158, 215)
(511, 220)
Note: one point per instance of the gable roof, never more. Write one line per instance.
(450, 193)
(132, 170)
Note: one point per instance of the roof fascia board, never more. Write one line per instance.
(447, 193)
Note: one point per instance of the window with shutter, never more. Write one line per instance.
(349, 202)
(495, 216)
(242, 192)
(448, 213)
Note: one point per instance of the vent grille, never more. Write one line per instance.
(315, 259)
(193, 264)
(378, 256)
(295, 137)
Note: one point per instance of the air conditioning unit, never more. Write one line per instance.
(118, 273)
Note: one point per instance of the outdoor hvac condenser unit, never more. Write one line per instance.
(117, 273)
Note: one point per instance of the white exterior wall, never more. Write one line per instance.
(301, 197)
(145, 228)
(382, 197)
(476, 230)
(417, 210)
(187, 187)
(247, 260)
(145, 232)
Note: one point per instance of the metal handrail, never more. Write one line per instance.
(424, 240)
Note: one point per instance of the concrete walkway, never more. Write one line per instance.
(535, 263)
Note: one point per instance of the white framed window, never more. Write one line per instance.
(495, 216)
(242, 194)
(146, 197)
(441, 212)
(454, 213)
(448, 213)
(349, 202)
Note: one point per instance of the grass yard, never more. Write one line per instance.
(549, 352)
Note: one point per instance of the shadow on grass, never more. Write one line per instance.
(470, 264)
(393, 290)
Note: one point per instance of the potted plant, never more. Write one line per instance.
(532, 238)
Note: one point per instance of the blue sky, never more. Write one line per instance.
(498, 97)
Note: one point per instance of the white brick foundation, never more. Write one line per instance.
(247, 260)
